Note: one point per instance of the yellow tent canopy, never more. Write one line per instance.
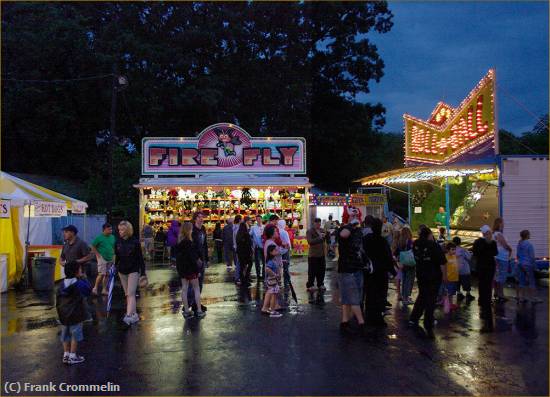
(19, 194)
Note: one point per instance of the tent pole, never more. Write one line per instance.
(447, 207)
(27, 244)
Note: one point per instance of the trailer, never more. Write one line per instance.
(523, 200)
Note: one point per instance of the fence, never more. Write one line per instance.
(89, 226)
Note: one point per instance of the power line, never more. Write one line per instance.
(103, 76)
(521, 104)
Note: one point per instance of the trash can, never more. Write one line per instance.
(43, 273)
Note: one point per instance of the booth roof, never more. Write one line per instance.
(417, 174)
(226, 181)
(20, 192)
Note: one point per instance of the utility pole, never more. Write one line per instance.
(110, 146)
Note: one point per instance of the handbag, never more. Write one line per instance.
(406, 258)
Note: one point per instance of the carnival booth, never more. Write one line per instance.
(26, 211)
(323, 205)
(450, 174)
(223, 172)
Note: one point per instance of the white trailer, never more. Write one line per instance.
(523, 199)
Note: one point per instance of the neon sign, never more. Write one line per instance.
(223, 147)
(451, 134)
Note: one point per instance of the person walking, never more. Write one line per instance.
(131, 268)
(236, 226)
(227, 238)
(379, 253)
(285, 250)
(503, 258)
(217, 235)
(526, 269)
(103, 248)
(485, 249)
(407, 264)
(148, 236)
(463, 258)
(188, 267)
(256, 232)
(316, 264)
(201, 246)
(430, 272)
(245, 251)
(172, 240)
(350, 274)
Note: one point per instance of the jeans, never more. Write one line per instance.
(228, 254)
(316, 268)
(407, 281)
(237, 266)
(259, 261)
(190, 292)
(219, 248)
(485, 286)
(425, 303)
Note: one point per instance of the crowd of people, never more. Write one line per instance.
(370, 253)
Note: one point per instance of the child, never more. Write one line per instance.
(526, 269)
(463, 257)
(187, 265)
(442, 237)
(273, 273)
(72, 311)
(452, 274)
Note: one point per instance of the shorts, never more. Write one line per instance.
(70, 332)
(191, 276)
(103, 266)
(501, 271)
(465, 282)
(351, 288)
(451, 287)
(526, 276)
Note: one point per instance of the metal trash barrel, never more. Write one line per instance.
(43, 273)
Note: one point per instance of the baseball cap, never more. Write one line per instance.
(70, 228)
(485, 228)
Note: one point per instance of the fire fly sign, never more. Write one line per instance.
(222, 148)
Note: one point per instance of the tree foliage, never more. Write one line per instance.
(273, 68)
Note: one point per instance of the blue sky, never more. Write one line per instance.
(438, 51)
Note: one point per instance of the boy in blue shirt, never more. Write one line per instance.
(72, 311)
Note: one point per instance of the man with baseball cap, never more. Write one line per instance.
(75, 249)
(485, 250)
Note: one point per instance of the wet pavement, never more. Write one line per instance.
(237, 351)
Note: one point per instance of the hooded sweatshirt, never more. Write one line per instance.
(70, 301)
(173, 232)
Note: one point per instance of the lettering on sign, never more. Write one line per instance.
(4, 208)
(223, 147)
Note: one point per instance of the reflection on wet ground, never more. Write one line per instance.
(237, 351)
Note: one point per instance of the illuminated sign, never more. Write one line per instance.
(450, 135)
(223, 148)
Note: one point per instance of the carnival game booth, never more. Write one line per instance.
(322, 205)
(451, 163)
(224, 172)
(26, 212)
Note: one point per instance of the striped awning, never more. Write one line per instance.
(21, 192)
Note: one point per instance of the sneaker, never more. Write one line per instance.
(187, 315)
(75, 360)
(275, 313)
(134, 317)
(201, 314)
(127, 320)
(322, 288)
(65, 359)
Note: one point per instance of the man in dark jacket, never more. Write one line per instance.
(201, 246)
(227, 238)
(430, 271)
(484, 252)
(71, 310)
(378, 251)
